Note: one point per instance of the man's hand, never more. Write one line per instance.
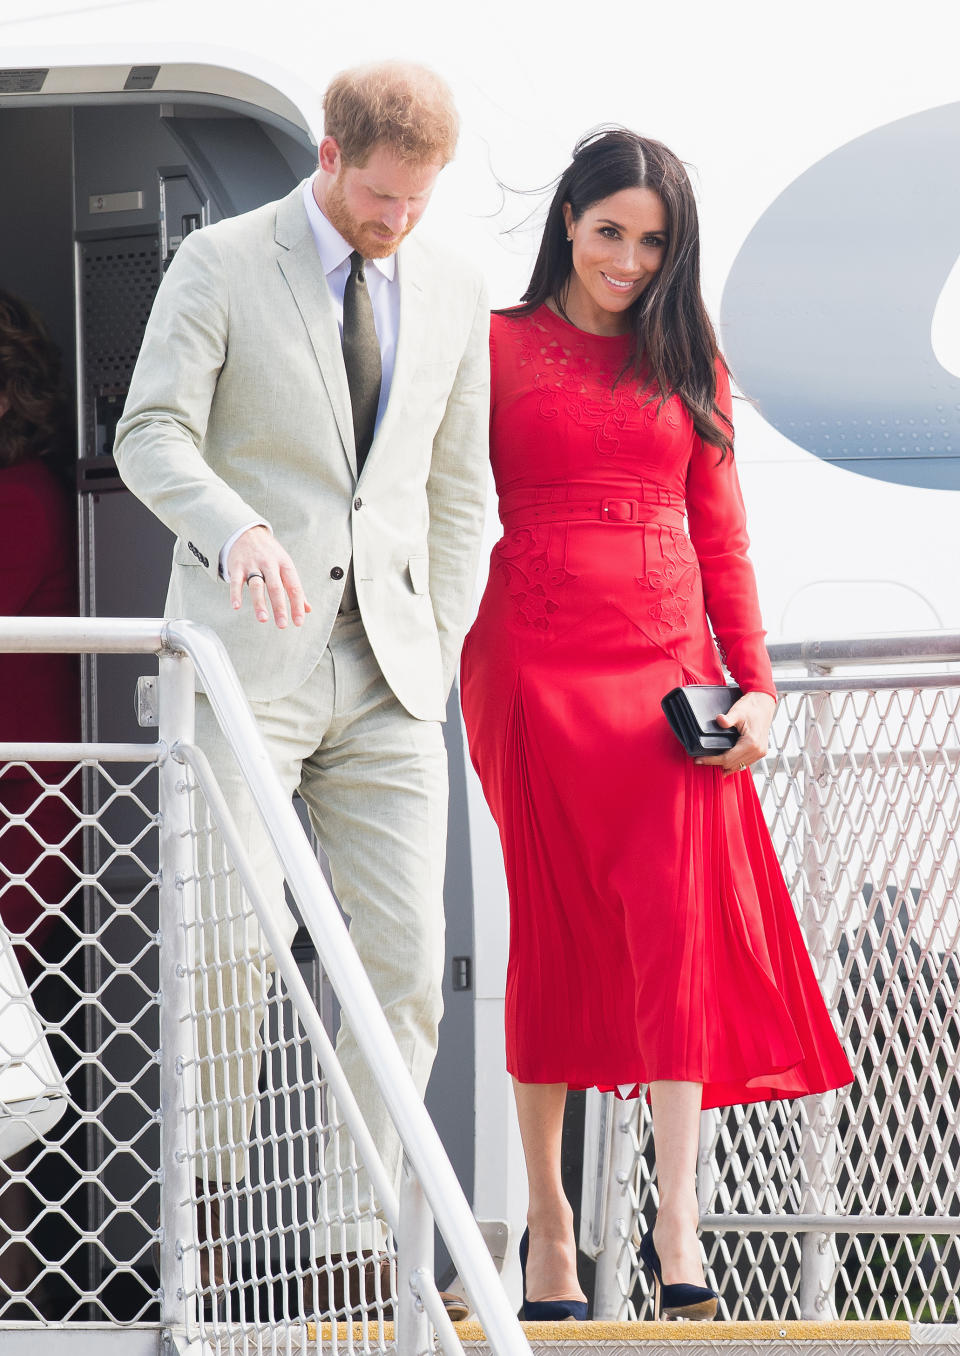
(258, 560)
(752, 716)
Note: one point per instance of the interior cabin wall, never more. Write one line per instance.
(119, 150)
(36, 219)
(127, 552)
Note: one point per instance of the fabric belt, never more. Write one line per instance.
(617, 511)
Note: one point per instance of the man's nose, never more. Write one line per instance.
(396, 216)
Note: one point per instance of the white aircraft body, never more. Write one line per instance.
(824, 140)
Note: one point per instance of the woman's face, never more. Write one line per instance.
(618, 245)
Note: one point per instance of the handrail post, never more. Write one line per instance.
(612, 1208)
(179, 1261)
(818, 1251)
(414, 1252)
(708, 1176)
(818, 1150)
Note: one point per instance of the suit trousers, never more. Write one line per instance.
(374, 780)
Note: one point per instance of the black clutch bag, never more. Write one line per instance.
(692, 715)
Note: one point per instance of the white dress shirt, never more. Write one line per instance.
(384, 288)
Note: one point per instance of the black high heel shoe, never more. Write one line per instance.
(547, 1311)
(678, 1300)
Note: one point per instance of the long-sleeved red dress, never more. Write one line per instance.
(651, 932)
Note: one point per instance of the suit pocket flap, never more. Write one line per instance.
(419, 567)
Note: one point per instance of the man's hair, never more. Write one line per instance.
(393, 103)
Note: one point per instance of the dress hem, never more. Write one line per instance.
(719, 1093)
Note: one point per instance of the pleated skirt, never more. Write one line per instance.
(652, 935)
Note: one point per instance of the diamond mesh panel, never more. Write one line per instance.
(280, 1171)
(78, 1204)
(860, 792)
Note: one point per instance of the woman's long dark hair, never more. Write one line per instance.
(675, 344)
(36, 424)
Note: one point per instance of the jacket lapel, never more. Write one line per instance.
(301, 267)
(409, 340)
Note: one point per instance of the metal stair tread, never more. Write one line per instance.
(643, 1333)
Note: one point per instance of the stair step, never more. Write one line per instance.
(624, 1336)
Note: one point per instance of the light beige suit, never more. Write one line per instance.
(239, 409)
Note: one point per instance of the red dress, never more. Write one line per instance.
(651, 932)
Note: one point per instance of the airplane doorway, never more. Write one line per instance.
(106, 189)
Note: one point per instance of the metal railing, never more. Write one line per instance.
(136, 999)
(846, 1205)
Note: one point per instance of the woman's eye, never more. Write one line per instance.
(609, 233)
(656, 241)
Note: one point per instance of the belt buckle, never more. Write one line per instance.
(619, 510)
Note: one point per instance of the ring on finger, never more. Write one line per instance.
(254, 574)
(743, 767)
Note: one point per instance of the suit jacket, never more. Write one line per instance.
(239, 409)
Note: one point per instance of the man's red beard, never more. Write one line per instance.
(367, 237)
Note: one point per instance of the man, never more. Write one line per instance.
(308, 414)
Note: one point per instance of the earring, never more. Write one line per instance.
(569, 239)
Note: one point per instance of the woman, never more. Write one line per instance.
(39, 700)
(652, 939)
(39, 694)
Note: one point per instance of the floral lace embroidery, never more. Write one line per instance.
(527, 570)
(575, 382)
(674, 583)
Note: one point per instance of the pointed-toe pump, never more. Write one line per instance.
(547, 1311)
(697, 1302)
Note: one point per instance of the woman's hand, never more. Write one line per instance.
(752, 715)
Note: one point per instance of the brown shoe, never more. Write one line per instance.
(211, 1245)
(456, 1306)
(208, 1247)
(343, 1282)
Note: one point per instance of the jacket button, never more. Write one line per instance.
(358, 502)
(336, 572)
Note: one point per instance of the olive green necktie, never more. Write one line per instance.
(361, 357)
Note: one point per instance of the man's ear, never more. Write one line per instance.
(329, 157)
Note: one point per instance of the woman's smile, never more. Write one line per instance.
(621, 284)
